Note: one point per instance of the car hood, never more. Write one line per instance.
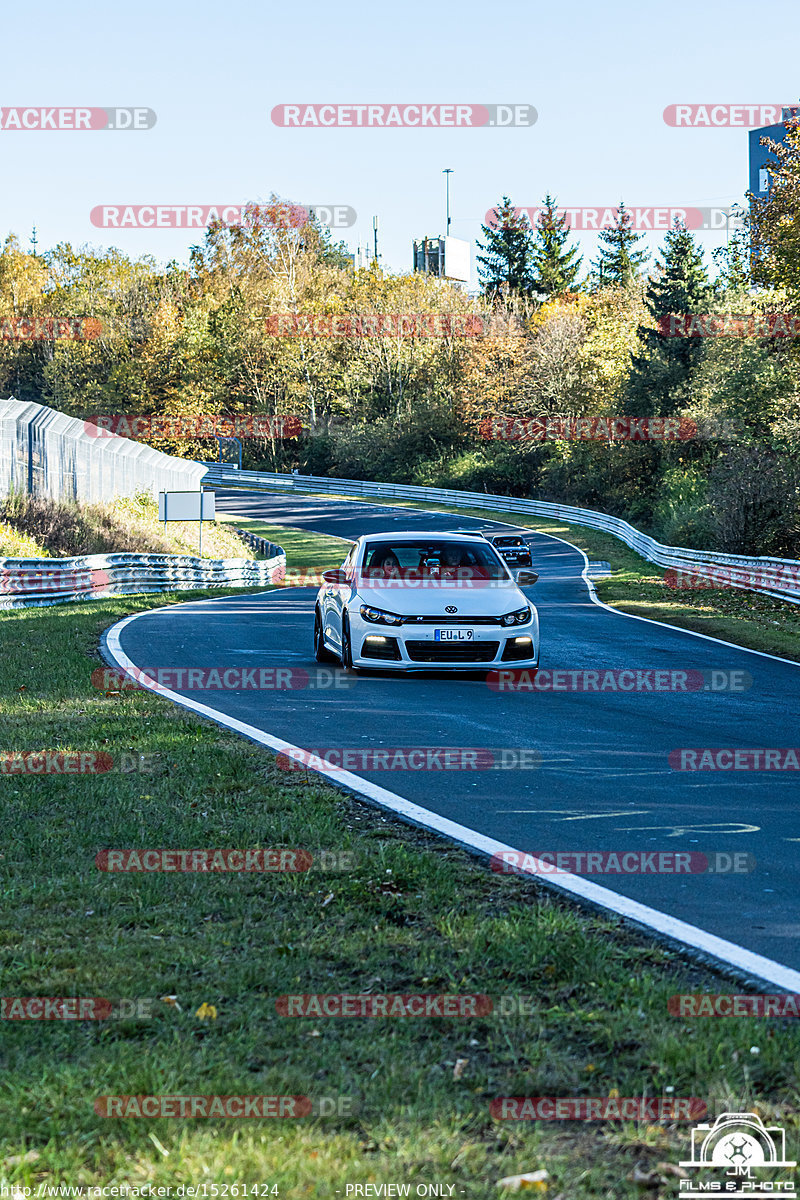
(488, 600)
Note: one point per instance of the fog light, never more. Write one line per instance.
(523, 641)
(375, 640)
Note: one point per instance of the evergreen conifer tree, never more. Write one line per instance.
(661, 373)
(555, 265)
(619, 262)
(509, 251)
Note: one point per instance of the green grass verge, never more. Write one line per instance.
(35, 527)
(303, 549)
(414, 915)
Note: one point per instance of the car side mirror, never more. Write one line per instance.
(337, 576)
(526, 577)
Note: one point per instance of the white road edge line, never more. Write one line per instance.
(725, 952)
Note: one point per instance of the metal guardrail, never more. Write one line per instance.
(260, 544)
(777, 577)
(36, 582)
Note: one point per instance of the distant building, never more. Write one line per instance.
(362, 257)
(760, 155)
(445, 257)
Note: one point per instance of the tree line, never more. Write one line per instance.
(553, 345)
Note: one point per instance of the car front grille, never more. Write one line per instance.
(451, 620)
(450, 652)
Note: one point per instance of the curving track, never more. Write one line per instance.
(605, 782)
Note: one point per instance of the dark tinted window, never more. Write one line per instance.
(431, 558)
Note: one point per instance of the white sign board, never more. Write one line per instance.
(185, 506)
(457, 259)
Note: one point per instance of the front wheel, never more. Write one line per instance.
(347, 648)
(321, 652)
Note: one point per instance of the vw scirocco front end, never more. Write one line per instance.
(415, 601)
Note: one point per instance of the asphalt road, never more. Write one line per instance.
(605, 782)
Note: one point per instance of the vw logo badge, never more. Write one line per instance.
(451, 608)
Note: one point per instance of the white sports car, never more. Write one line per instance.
(416, 601)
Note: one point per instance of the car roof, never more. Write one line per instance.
(420, 535)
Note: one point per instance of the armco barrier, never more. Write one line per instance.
(46, 453)
(260, 544)
(36, 582)
(778, 577)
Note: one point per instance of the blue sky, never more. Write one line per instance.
(599, 76)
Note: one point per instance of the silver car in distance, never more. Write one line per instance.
(425, 601)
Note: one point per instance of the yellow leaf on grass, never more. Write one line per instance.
(537, 1180)
(206, 1010)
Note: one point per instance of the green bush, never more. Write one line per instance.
(682, 515)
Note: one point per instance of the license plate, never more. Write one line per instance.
(453, 635)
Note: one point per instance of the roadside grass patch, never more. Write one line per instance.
(304, 550)
(414, 915)
(37, 527)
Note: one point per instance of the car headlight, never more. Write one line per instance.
(520, 617)
(377, 616)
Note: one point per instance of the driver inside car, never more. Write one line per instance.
(385, 564)
(458, 562)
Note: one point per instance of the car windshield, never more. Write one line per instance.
(507, 541)
(432, 559)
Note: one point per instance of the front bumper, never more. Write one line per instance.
(414, 647)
